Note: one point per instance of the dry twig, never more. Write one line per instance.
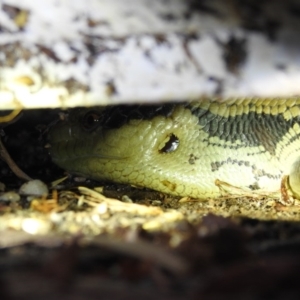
(13, 166)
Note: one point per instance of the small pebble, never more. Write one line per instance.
(34, 188)
(35, 226)
(156, 203)
(126, 199)
(10, 197)
(79, 179)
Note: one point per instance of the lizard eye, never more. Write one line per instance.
(91, 120)
(170, 144)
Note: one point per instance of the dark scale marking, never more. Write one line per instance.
(254, 125)
(192, 159)
(252, 129)
(240, 125)
(214, 125)
(206, 119)
(213, 167)
(226, 132)
(231, 147)
(254, 186)
(257, 173)
(222, 126)
(216, 165)
(291, 140)
(234, 131)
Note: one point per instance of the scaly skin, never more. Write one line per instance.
(182, 149)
